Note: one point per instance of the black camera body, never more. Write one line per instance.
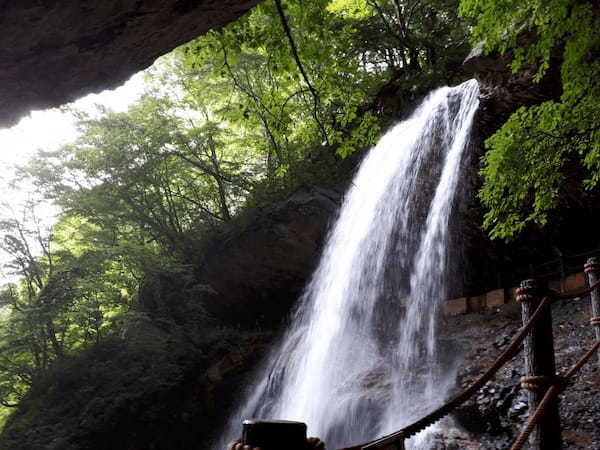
(274, 434)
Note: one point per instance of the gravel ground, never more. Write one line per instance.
(493, 418)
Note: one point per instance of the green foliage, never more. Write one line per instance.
(229, 121)
(347, 49)
(64, 300)
(260, 89)
(525, 167)
(148, 172)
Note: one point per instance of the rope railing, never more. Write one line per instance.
(570, 296)
(444, 410)
(542, 429)
(553, 384)
(550, 395)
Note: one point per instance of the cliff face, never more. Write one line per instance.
(56, 51)
(503, 92)
(255, 275)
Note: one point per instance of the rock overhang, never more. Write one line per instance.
(54, 52)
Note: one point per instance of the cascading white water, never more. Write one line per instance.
(359, 359)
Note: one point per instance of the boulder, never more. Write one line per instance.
(256, 274)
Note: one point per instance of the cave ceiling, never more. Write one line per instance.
(55, 51)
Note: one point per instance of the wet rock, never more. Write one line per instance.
(454, 439)
(257, 273)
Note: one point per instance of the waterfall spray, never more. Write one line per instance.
(360, 358)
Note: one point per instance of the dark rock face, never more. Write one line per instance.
(493, 264)
(257, 274)
(252, 276)
(503, 92)
(54, 52)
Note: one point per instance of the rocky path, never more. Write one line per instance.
(492, 419)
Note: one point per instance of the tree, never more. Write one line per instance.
(153, 174)
(526, 165)
(21, 239)
(311, 89)
(66, 297)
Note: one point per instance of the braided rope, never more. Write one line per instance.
(595, 321)
(533, 420)
(465, 395)
(539, 382)
(549, 396)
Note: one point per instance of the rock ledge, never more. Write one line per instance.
(54, 52)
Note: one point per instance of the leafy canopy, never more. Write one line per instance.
(529, 159)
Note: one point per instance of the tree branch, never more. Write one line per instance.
(313, 91)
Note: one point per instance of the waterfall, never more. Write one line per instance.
(360, 358)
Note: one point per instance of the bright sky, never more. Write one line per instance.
(51, 128)
(48, 130)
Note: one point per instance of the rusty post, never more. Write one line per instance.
(540, 370)
(592, 269)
